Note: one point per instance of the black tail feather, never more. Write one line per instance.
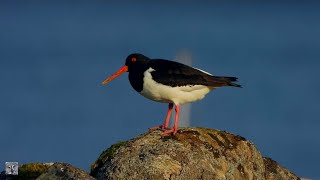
(227, 81)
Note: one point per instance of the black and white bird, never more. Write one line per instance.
(169, 82)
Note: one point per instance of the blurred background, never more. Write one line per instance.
(54, 55)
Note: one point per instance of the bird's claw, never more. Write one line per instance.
(164, 129)
(168, 131)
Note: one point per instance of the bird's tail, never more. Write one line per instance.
(226, 81)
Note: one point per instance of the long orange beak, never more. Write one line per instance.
(113, 76)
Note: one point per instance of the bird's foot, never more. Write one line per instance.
(161, 127)
(168, 131)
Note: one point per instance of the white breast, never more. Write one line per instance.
(167, 94)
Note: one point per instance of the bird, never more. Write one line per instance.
(169, 82)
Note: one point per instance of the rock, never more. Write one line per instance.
(64, 171)
(48, 171)
(193, 153)
(28, 171)
(275, 171)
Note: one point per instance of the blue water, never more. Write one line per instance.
(53, 55)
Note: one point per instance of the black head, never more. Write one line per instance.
(136, 59)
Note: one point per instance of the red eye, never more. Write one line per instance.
(133, 59)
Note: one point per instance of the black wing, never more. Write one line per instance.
(176, 74)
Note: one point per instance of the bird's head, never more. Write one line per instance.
(132, 60)
(135, 59)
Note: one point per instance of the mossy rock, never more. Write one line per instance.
(106, 155)
(32, 170)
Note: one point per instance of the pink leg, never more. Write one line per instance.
(166, 122)
(175, 126)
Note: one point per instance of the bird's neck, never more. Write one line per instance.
(136, 75)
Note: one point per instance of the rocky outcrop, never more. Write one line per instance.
(193, 153)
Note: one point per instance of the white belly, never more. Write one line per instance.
(177, 95)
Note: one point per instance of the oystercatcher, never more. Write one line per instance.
(169, 82)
